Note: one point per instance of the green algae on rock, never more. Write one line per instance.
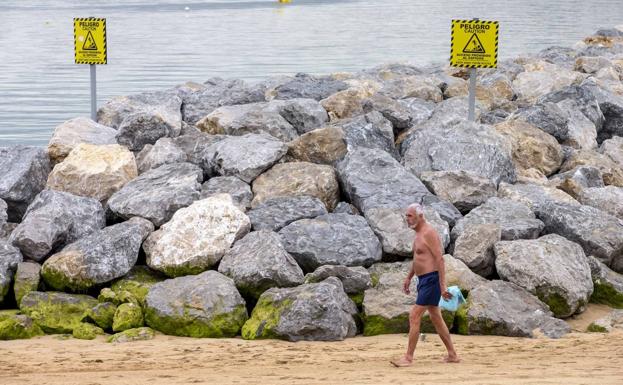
(130, 335)
(27, 279)
(127, 316)
(18, 326)
(86, 331)
(137, 282)
(56, 312)
(102, 315)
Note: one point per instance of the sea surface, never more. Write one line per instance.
(157, 44)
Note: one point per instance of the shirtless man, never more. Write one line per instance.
(428, 265)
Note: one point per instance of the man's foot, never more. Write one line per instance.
(402, 362)
(451, 359)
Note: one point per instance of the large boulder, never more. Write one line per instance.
(18, 326)
(345, 104)
(540, 78)
(24, 173)
(55, 219)
(416, 86)
(258, 262)
(157, 194)
(613, 148)
(323, 146)
(505, 309)
(331, 239)
(198, 149)
(371, 130)
(396, 112)
(465, 146)
(608, 199)
(532, 148)
(580, 98)
(312, 312)
(296, 179)
(515, 219)
(552, 268)
(355, 280)
(56, 312)
(246, 119)
(27, 279)
(307, 86)
(203, 305)
(239, 191)
(611, 105)
(97, 258)
(390, 226)
(303, 114)
(3, 215)
(608, 285)
(599, 234)
(10, 257)
(164, 151)
(137, 282)
(611, 172)
(144, 118)
(474, 247)
(458, 274)
(94, 171)
(247, 156)
(79, 130)
(196, 237)
(278, 212)
(533, 195)
(463, 189)
(573, 182)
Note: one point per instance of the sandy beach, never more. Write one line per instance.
(578, 358)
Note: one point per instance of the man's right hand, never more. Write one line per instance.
(405, 286)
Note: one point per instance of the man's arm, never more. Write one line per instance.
(407, 282)
(434, 245)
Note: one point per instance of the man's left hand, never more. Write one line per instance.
(445, 293)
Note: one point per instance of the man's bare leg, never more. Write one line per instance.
(415, 316)
(444, 334)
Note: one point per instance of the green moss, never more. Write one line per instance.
(461, 320)
(102, 315)
(9, 313)
(21, 287)
(375, 325)
(130, 335)
(606, 294)
(137, 282)
(107, 295)
(557, 304)
(86, 331)
(374, 278)
(189, 325)
(56, 312)
(127, 316)
(117, 298)
(265, 318)
(57, 280)
(357, 299)
(18, 327)
(592, 328)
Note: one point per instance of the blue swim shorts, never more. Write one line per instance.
(428, 290)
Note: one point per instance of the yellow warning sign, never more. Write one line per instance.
(474, 44)
(90, 41)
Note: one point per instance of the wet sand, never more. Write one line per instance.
(578, 358)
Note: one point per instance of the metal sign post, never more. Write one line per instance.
(473, 44)
(90, 48)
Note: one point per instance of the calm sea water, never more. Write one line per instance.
(155, 44)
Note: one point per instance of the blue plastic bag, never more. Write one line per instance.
(453, 303)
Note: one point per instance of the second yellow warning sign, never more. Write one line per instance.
(474, 44)
(90, 41)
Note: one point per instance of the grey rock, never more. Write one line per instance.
(27, 279)
(24, 173)
(458, 274)
(144, 118)
(3, 215)
(310, 312)
(582, 99)
(611, 106)
(552, 268)
(164, 151)
(390, 226)
(464, 190)
(79, 130)
(548, 117)
(505, 309)
(573, 182)
(215, 93)
(420, 110)
(494, 117)
(516, 220)
(239, 191)
(416, 86)
(308, 87)
(10, 257)
(466, 146)
(55, 219)
(198, 149)
(354, 279)
(258, 262)
(562, 56)
(331, 239)
(157, 194)
(613, 148)
(345, 208)
(397, 113)
(599, 234)
(612, 320)
(203, 305)
(247, 156)
(304, 115)
(97, 258)
(474, 247)
(608, 199)
(607, 283)
(533, 195)
(276, 213)
(56, 312)
(251, 118)
(371, 130)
